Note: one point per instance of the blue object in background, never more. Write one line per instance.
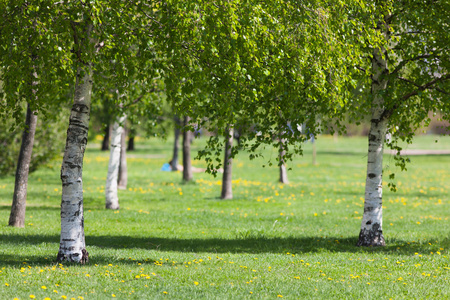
(166, 167)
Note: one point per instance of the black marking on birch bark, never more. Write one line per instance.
(372, 175)
(368, 209)
(369, 222)
(372, 138)
(68, 240)
(80, 108)
(60, 256)
(78, 124)
(372, 237)
(72, 165)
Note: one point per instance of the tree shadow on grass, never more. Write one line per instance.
(246, 244)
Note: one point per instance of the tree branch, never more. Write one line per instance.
(404, 62)
(429, 85)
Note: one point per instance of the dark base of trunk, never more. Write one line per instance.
(371, 238)
(74, 257)
(16, 223)
(130, 143)
(112, 207)
(226, 196)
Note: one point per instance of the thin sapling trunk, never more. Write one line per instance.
(227, 189)
(187, 167)
(17, 216)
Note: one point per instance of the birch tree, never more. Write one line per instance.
(187, 139)
(17, 216)
(27, 74)
(227, 189)
(100, 34)
(176, 142)
(283, 171)
(408, 75)
(111, 186)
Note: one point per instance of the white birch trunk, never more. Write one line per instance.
(283, 170)
(371, 233)
(72, 244)
(111, 197)
(227, 189)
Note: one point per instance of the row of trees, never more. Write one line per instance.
(225, 65)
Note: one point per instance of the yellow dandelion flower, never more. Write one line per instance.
(279, 296)
(43, 287)
(195, 282)
(165, 293)
(6, 284)
(64, 296)
(32, 296)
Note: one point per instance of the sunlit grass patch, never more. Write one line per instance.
(178, 241)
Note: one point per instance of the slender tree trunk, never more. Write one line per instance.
(174, 160)
(187, 167)
(105, 143)
(131, 135)
(72, 244)
(111, 196)
(314, 152)
(123, 170)
(283, 171)
(371, 233)
(227, 189)
(17, 216)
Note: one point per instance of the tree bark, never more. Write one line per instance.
(371, 233)
(314, 152)
(72, 246)
(174, 160)
(130, 146)
(105, 143)
(187, 167)
(17, 216)
(283, 171)
(111, 196)
(123, 169)
(227, 189)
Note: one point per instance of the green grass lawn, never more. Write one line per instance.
(180, 241)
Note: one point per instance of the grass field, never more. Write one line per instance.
(180, 241)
